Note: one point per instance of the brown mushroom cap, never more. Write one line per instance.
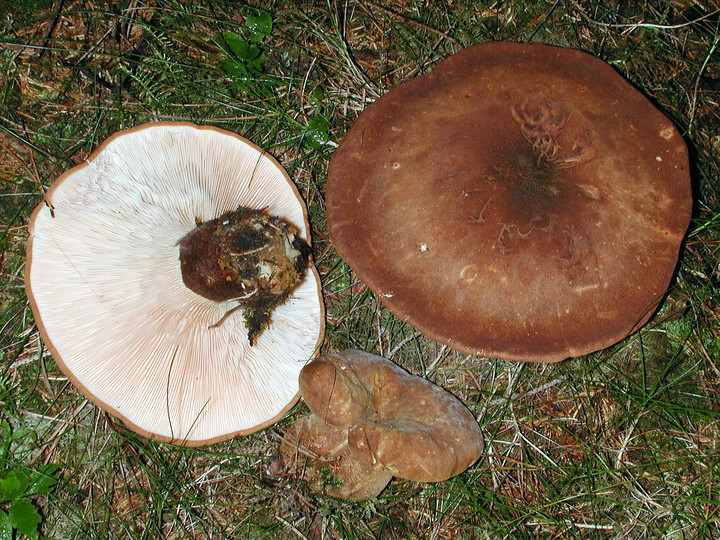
(520, 201)
(397, 422)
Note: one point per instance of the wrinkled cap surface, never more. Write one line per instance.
(104, 281)
(397, 422)
(519, 201)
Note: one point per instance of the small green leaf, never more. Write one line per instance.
(13, 485)
(257, 61)
(6, 528)
(259, 24)
(316, 99)
(233, 68)
(43, 479)
(316, 132)
(230, 39)
(20, 433)
(25, 517)
(250, 53)
(7, 438)
(240, 47)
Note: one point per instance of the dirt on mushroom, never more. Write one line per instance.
(245, 256)
(372, 420)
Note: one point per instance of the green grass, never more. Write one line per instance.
(622, 443)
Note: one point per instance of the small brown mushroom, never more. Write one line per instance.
(519, 201)
(388, 421)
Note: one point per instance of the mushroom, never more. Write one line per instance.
(170, 278)
(372, 420)
(520, 201)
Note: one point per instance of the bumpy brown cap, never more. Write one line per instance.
(105, 284)
(520, 201)
(395, 422)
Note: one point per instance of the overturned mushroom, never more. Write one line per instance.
(519, 201)
(170, 277)
(372, 420)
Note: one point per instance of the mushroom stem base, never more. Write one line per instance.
(248, 257)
